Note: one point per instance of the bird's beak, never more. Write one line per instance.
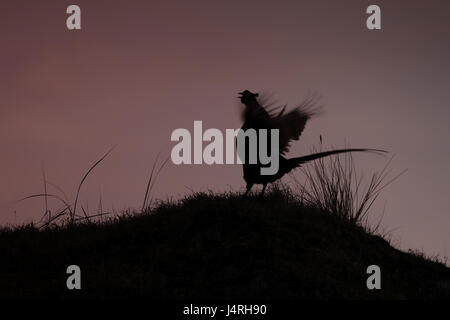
(240, 94)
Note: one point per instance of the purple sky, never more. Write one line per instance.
(140, 69)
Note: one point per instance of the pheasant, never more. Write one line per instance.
(290, 126)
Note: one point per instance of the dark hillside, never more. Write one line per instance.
(215, 246)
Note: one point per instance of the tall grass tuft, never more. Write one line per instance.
(146, 205)
(333, 185)
(67, 211)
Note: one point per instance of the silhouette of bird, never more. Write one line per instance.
(290, 126)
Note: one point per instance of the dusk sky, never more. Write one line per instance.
(137, 70)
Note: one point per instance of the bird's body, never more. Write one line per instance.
(290, 126)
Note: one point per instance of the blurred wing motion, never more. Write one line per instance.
(290, 125)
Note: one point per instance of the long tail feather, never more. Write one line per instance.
(295, 162)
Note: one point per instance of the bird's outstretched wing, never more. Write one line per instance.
(290, 124)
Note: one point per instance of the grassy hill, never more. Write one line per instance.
(216, 246)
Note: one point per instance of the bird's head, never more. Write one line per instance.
(247, 97)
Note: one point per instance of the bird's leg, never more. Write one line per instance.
(249, 186)
(263, 189)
